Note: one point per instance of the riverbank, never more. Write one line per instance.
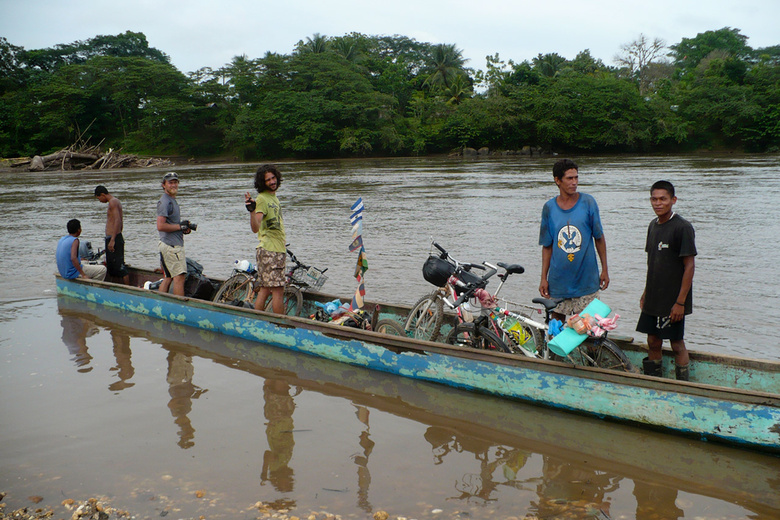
(16, 164)
(101, 509)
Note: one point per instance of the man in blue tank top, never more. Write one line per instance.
(571, 235)
(68, 262)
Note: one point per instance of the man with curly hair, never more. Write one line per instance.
(265, 219)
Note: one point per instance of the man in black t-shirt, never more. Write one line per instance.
(667, 298)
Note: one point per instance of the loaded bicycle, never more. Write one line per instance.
(427, 315)
(483, 324)
(240, 289)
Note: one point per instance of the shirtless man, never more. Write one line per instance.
(115, 243)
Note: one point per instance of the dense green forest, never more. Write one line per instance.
(359, 95)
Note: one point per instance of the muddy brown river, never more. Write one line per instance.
(169, 421)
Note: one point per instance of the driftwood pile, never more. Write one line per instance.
(84, 157)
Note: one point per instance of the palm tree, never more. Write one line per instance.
(447, 62)
(347, 48)
(549, 64)
(317, 44)
(458, 90)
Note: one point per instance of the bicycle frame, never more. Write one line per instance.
(499, 329)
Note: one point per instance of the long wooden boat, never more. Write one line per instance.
(477, 422)
(729, 400)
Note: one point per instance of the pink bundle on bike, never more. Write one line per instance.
(486, 299)
(603, 325)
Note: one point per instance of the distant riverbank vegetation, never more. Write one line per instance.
(360, 95)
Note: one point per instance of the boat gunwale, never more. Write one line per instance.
(423, 347)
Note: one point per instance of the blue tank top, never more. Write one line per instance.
(64, 265)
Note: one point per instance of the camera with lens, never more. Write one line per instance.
(186, 224)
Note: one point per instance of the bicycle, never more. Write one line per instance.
(484, 325)
(501, 327)
(239, 288)
(426, 317)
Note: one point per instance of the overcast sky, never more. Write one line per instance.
(203, 33)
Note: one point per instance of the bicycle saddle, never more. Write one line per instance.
(510, 269)
(548, 302)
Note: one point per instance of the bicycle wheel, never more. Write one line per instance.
(468, 335)
(425, 318)
(604, 354)
(391, 327)
(293, 301)
(237, 287)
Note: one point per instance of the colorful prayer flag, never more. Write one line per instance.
(357, 299)
(362, 265)
(357, 229)
(356, 219)
(356, 244)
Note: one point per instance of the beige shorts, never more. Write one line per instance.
(571, 306)
(172, 260)
(94, 271)
(270, 267)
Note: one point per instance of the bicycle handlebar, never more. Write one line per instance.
(458, 264)
(444, 254)
(470, 288)
(300, 264)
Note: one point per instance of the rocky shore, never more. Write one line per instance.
(101, 509)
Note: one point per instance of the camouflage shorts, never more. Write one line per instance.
(270, 267)
(571, 306)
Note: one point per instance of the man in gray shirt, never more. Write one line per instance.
(172, 230)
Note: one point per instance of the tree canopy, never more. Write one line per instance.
(357, 95)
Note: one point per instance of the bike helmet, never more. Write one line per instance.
(437, 271)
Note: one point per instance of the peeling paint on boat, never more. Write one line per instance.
(724, 414)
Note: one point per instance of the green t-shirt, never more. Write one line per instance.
(271, 234)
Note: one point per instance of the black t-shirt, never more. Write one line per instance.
(666, 246)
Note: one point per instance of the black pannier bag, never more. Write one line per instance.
(468, 277)
(200, 287)
(437, 271)
(196, 285)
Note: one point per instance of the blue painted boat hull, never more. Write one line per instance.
(735, 416)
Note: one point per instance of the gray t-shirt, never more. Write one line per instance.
(168, 207)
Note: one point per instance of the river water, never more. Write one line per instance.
(95, 403)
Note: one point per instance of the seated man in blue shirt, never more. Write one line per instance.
(68, 261)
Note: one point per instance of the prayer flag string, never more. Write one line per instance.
(356, 219)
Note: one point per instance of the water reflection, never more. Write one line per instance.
(182, 392)
(75, 331)
(490, 459)
(76, 328)
(568, 487)
(655, 502)
(361, 460)
(124, 366)
(278, 409)
(498, 452)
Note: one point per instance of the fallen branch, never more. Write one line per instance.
(89, 158)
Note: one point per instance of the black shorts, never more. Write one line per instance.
(661, 327)
(115, 262)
